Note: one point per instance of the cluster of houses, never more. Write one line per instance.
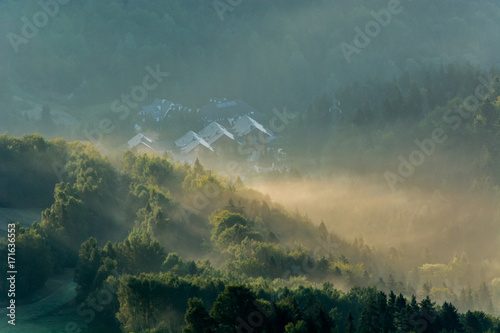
(231, 128)
(156, 114)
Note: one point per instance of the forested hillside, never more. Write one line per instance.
(164, 246)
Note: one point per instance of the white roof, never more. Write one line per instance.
(245, 125)
(191, 140)
(139, 138)
(213, 132)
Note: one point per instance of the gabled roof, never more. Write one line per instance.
(139, 139)
(189, 141)
(145, 145)
(245, 125)
(213, 132)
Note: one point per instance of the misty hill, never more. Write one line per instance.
(149, 215)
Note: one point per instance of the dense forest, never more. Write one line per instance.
(156, 258)
(379, 206)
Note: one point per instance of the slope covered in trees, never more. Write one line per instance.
(141, 242)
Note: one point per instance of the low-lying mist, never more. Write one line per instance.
(411, 227)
